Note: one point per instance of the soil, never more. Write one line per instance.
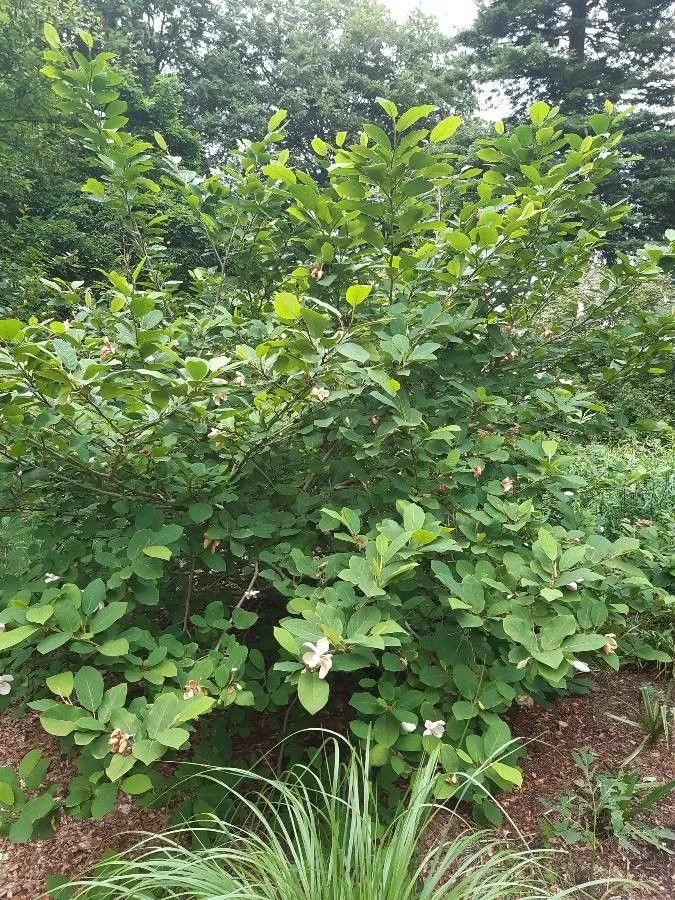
(572, 723)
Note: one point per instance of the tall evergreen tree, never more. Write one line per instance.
(578, 53)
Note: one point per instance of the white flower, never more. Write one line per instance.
(50, 578)
(434, 729)
(565, 381)
(2, 627)
(250, 594)
(568, 493)
(240, 379)
(318, 656)
(321, 393)
(580, 666)
(5, 684)
(572, 586)
(408, 727)
(218, 362)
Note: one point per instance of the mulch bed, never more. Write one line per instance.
(572, 723)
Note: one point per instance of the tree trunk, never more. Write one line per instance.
(576, 31)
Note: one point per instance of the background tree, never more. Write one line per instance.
(579, 53)
(324, 61)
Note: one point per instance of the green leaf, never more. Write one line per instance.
(6, 794)
(445, 129)
(61, 685)
(508, 773)
(280, 173)
(519, 630)
(312, 692)
(51, 35)
(357, 293)
(119, 765)
(459, 241)
(538, 112)
(107, 616)
(15, 636)
(414, 115)
(105, 797)
(318, 146)
(92, 596)
(388, 106)
(89, 687)
(244, 618)
(275, 120)
(548, 544)
(198, 368)
(287, 306)
(555, 630)
(157, 552)
(136, 784)
(200, 512)
(386, 730)
(172, 737)
(116, 647)
(40, 614)
(159, 140)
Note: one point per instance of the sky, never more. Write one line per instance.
(451, 14)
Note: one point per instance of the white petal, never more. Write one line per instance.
(322, 645)
(580, 666)
(408, 727)
(5, 688)
(311, 646)
(311, 660)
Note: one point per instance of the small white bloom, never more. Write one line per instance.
(565, 381)
(319, 656)
(321, 393)
(240, 379)
(218, 362)
(2, 627)
(5, 684)
(50, 578)
(572, 586)
(248, 595)
(580, 666)
(568, 493)
(600, 529)
(434, 729)
(408, 727)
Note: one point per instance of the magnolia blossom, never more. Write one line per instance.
(572, 586)
(321, 393)
(580, 666)
(507, 484)
(610, 644)
(250, 594)
(50, 578)
(477, 471)
(408, 727)
(218, 398)
(108, 349)
(218, 362)
(568, 493)
(434, 729)
(239, 379)
(193, 689)
(5, 684)
(318, 656)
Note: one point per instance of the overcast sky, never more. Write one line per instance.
(451, 14)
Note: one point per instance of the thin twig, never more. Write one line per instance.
(188, 596)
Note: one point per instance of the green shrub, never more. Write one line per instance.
(327, 464)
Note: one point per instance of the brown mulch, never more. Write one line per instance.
(573, 723)
(77, 845)
(548, 772)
